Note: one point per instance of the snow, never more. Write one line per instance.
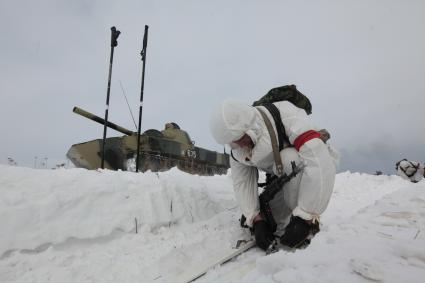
(75, 225)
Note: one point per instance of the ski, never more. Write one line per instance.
(196, 272)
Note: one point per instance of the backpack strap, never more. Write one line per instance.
(414, 166)
(281, 134)
(398, 163)
(276, 151)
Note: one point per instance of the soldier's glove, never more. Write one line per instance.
(296, 232)
(263, 234)
(242, 221)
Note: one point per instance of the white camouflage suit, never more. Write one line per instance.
(306, 195)
(410, 170)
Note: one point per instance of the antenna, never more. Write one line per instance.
(125, 96)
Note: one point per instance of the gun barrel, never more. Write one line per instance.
(95, 118)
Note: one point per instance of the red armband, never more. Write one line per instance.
(305, 137)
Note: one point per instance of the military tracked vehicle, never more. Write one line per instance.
(159, 151)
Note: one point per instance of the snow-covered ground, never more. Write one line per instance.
(74, 225)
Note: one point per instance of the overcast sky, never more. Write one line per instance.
(361, 63)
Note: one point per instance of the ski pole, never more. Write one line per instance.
(143, 54)
(114, 36)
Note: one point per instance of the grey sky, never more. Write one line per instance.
(362, 64)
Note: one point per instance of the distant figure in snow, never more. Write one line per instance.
(410, 170)
(297, 207)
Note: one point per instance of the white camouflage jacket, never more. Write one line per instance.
(317, 178)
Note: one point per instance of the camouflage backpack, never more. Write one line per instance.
(291, 94)
(288, 93)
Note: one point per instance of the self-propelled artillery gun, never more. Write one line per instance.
(159, 151)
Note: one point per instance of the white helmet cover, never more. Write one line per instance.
(231, 120)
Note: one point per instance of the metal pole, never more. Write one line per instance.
(143, 54)
(114, 36)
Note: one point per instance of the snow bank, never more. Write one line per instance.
(372, 231)
(43, 207)
(382, 242)
(75, 225)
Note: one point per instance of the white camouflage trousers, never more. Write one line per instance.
(286, 199)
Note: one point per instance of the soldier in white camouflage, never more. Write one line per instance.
(296, 209)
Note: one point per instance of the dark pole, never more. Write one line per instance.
(143, 54)
(114, 36)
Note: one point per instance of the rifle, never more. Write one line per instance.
(271, 189)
